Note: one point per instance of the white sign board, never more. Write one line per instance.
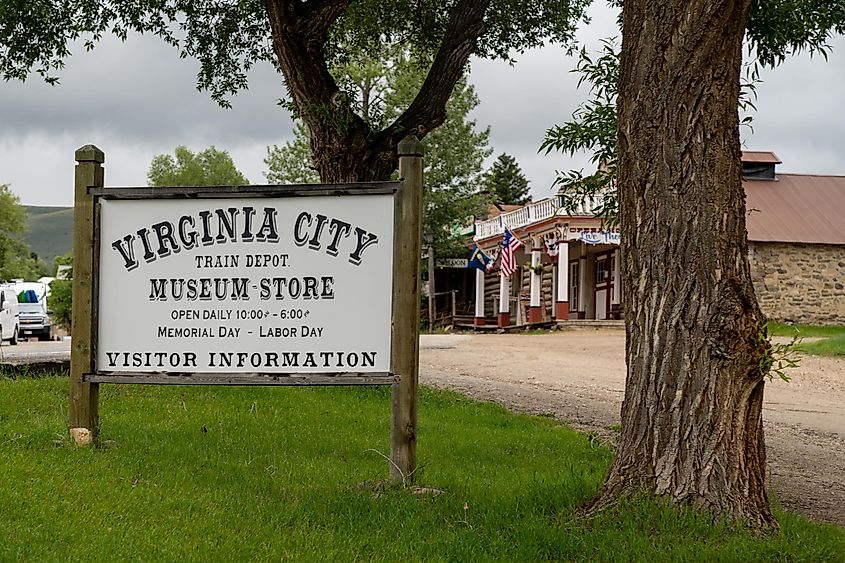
(592, 235)
(245, 285)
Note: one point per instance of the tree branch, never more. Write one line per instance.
(428, 110)
(321, 14)
(299, 48)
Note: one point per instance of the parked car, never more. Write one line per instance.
(9, 315)
(34, 314)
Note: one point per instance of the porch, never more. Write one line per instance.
(567, 269)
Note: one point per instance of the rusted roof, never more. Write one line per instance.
(496, 209)
(796, 208)
(762, 157)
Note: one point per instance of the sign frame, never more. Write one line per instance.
(245, 377)
(84, 388)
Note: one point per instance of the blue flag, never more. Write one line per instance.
(477, 259)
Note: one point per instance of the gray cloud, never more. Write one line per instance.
(799, 113)
(133, 100)
(138, 99)
(142, 90)
(521, 102)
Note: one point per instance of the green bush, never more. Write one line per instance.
(61, 302)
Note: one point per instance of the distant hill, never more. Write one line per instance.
(50, 231)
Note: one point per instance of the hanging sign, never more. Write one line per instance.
(451, 263)
(593, 235)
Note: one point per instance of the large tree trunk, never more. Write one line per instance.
(351, 154)
(692, 427)
(343, 146)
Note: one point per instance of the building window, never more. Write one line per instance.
(602, 273)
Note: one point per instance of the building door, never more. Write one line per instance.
(574, 273)
(604, 284)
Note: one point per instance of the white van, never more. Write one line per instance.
(9, 315)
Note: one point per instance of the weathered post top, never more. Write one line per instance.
(410, 146)
(89, 153)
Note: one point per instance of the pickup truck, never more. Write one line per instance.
(34, 314)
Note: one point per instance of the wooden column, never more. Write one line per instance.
(617, 278)
(479, 298)
(406, 311)
(454, 296)
(562, 298)
(535, 311)
(504, 301)
(84, 397)
(432, 298)
(582, 283)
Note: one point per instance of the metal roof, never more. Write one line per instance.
(763, 157)
(796, 208)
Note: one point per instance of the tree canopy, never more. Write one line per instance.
(16, 260)
(505, 182)
(775, 29)
(211, 167)
(454, 153)
(304, 39)
(591, 129)
(291, 163)
(61, 293)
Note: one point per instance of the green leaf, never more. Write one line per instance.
(211, 167)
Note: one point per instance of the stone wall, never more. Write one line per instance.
(801, 283)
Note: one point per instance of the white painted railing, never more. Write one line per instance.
(544, 208)
(531, 213)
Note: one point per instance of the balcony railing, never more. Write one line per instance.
(532, 213)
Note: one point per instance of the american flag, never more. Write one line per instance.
(510, 244)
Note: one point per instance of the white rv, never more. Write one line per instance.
(34, 314)
(9, 315)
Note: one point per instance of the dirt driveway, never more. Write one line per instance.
(579, 376)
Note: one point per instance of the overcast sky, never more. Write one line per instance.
(137, 99)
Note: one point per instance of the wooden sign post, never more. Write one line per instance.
(84, 396)
(406, 311)
(248, 285)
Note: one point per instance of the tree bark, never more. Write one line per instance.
(692, 414)
(343, 146)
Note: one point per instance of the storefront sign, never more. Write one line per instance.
(593, 235)
(253, 284)
(451, 263)
(604, 237)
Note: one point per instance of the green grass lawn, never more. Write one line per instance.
(219, 474)
(831, 338)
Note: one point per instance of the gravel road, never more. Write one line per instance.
(34, 351)
(579, 376)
